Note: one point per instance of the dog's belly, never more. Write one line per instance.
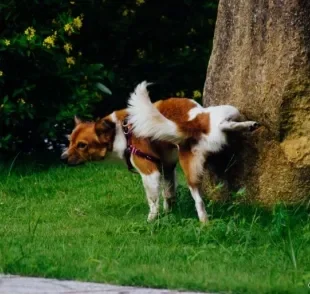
(167, 152)
(171, 156)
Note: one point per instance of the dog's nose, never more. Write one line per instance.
(64, 158)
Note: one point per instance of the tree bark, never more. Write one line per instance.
(260, 64)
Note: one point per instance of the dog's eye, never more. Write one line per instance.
(81, 145)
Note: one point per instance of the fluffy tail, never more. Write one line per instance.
(146, 120)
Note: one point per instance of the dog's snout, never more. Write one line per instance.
(70, 160)
(64, 157)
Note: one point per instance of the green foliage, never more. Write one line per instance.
(44, 78)
(53, 52)
(54, 224)
(165, 42)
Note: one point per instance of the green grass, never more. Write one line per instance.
(89, 223)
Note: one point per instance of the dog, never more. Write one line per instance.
(152, 137)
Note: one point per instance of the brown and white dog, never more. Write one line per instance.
(163, 132)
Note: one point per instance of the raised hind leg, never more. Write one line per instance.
(238, 126)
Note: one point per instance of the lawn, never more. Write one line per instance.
(89, 223)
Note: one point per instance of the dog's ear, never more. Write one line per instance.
(104, 124)
(77, 120)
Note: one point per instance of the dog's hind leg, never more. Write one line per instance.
(238, 126)
(192, 162)
(169, 193)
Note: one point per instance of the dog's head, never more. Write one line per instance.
(89, 141)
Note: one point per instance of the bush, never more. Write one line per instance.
(44, 78)
(165, 42)
(52, 56)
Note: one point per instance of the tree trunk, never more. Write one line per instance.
(260, 64)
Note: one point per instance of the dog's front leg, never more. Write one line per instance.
(151, 183)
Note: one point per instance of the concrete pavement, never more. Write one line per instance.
(27, 285)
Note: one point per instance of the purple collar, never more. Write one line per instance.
(130, 149)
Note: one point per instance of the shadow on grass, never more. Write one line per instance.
(22, 163)
(277, 218)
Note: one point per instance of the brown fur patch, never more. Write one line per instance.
(144, 166)
(85, 144)
(82, 131)
(176, 109)
(157, 149)
(185, 158)
(105, 130)
(121, 114)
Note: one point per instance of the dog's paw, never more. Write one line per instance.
(255, 125)
(152, 216)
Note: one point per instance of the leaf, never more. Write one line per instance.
(7, 137)
(8, 15)
(97, 66)
(111, 76)
(103, 88)
(17, 92)
(30, 87)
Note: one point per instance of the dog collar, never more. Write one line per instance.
(130, 149)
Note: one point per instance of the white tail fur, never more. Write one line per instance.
(146, 120)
